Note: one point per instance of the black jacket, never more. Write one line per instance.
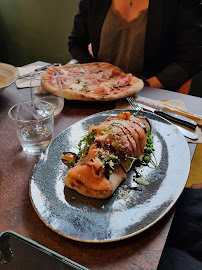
(173, 42)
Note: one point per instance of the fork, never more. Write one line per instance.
(185, 132)
(133, 103)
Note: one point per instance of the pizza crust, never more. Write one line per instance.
(71, 93)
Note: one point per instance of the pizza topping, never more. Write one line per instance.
(107, 74)
(93, 81)
(102, 90)
(67, 80)
(95, 68)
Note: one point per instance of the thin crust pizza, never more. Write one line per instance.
(111, 148)
(91, 82)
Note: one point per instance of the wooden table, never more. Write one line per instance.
(142, 251)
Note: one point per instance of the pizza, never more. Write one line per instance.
(91, 82)
(107, 155)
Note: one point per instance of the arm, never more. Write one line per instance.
(79, 38)
(155, 83)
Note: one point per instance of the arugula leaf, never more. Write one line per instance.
(129, 163)
(149, 150)
(86, 142)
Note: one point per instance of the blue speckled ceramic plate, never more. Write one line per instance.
(127, 212)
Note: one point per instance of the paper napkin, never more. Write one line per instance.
(23, 83)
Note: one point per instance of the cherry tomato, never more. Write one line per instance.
(69, 159)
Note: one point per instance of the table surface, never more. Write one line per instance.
(142, 251)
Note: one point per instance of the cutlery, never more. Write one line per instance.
(187, 133)
(185, 121)
(37, 70)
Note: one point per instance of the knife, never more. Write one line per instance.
(187, 133)
(185, 121)
(37, 70)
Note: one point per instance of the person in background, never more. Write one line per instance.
(156, 40)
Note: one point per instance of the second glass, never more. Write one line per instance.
(39, 92)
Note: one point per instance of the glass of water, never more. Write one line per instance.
(54, 95)
(34, 121)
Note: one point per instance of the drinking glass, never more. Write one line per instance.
(34, 121)
(39, 92)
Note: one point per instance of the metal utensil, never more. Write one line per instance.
(185, 132)
(177, 118)
(38, 70)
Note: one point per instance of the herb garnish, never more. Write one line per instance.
(138, 110)
(70, 162)
(141, 181)
(86, 142)
(149, 150)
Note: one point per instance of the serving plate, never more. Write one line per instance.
(127, 212)
(8, 75)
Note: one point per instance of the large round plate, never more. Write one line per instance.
(127, 212)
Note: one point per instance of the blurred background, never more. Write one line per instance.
(33, 30)
(38, 30)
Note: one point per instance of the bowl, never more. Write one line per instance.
(8, 75)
